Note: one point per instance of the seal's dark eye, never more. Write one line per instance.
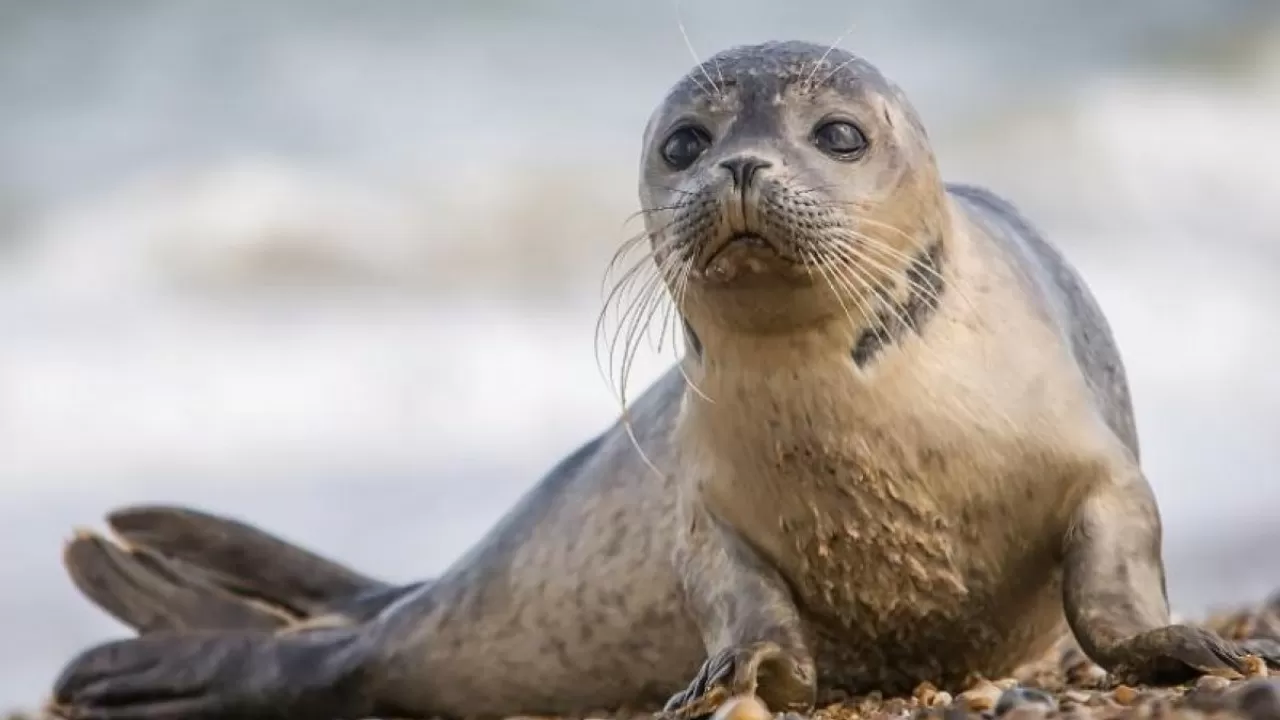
(841, 140)
(684, 146)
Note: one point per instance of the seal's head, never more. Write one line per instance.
(778, 178)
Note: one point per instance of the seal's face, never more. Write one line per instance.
(786, 165)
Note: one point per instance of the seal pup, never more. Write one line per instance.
(899, 448)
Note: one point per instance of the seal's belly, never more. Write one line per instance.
(913, 572)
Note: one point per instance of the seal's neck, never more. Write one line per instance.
(896, 317)
(807, 324)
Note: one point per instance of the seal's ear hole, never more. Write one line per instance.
(888, 117)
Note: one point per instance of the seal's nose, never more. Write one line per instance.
(743, 168)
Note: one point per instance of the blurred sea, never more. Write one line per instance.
(334, 267)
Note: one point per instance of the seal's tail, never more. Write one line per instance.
(176, 568)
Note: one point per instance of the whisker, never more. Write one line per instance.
(837, 69)
(922, 348)
(820, 264)
(943, 365)
(668, 188)
(642, 309)
(805, 83)
(634, 268)
(876, 245)
(682, 286)
(630, 243)
(912, 284)
(651, 290)
(651, 285)
(685, 34)
(646, 213)
(849, 273)
(623, 285)
(872, 243)
(815, 188)
(856, 262)
(865, 296)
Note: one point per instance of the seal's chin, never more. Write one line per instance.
(743, 256)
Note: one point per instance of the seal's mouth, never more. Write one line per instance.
(740, 241)
(745, 255)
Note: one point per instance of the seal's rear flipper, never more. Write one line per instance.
(201, 675)
(149, 593)
(242, 558)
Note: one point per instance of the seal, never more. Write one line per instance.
(899, 448)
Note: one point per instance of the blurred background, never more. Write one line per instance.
(334, 267)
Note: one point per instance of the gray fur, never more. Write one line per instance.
(1070, 303)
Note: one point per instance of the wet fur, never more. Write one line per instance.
(921, 514)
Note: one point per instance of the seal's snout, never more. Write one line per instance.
(742, 168)
(739, 242)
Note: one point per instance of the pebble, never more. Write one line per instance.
(924, 693)
(1124, 695)
(742, 707)
(1258, 699)
(1017, 697)
(981, 697)
(1212, 683)
(928, 695)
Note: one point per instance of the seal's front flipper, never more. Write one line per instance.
(750, 625)
(198, 675)
(242, 558)
(762, 668)
(1174, 654)
(150, 593)
(1114, 592)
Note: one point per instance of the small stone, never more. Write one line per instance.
(1017, 697)
(1124, 695)
(743, 707)
(1212, 683)
(941, 699)
(1258, 699)
(981, 697)
(924, 692)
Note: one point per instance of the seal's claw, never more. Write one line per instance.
(1175, 654)
(784, 680)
